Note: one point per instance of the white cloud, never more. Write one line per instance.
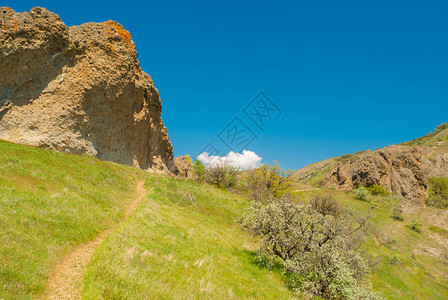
(247, 160)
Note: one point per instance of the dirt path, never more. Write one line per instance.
(65, 281)
(307, 190)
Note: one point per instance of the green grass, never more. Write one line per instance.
(438, 230)
(417, 274)
(183, 242)
(49, 203)
(438, 135)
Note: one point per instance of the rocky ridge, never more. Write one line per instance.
(80, 90)
(401, 169)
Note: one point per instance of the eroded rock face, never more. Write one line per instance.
(184, 165)
(401, 169)
(80, 90)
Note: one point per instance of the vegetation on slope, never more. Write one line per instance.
(314, 174)
(52, 202)
(411, 265)
(182, 242)
(49, 203)
(440, 134)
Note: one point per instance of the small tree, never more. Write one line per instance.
(326, 205)
(318, 251)
(362, 193)
(438, 192)
(199, 171)
(268, 182)
(216, 174)
(378, 190)
(231, 177)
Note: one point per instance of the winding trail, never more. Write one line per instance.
(65, 282)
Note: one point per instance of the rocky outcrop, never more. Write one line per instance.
(184, 165)
(401, 169)
(80, 90)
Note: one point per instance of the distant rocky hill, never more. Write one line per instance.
(403, 169)
(79, 89)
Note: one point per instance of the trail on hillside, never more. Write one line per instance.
(65, 282)
(307, 190)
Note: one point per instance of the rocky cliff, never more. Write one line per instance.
(401, 169)
(79, 89)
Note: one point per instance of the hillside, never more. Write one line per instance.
(403, 169)
(180, 241)
(99, 230)
(413, 265)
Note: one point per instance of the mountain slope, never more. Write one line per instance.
(49, 203)
(402, 169)
(181, 240)
(412, 265)
(183, 243)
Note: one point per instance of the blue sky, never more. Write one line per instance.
(346, 75)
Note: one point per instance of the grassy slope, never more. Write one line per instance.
(49, 203)
(314, 174)
(182, 243)
(182, 240)
(421, 271)
(433, 139)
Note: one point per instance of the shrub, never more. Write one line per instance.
(397, 214)
(390, 243)
(441, 127)
(222, 175)
(394, 199)
(362, 193)
(326, 205)
(231, 176)
(318, 252)
(438, 192)
(199, 171)
(416, 226)
(392, 259)
(268, 182)
(374, 204)
(378, 190)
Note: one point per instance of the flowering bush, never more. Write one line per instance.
(317, 251)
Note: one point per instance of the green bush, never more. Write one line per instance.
(326, 205)
(397, 214)
(268, 182)
(438, 192)
(392, 259)
(362, 193)
(374, 203)
(416, 226)
(394, 199)
(378, 190)
(199, 170)
(441, 127)
(319, 253)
